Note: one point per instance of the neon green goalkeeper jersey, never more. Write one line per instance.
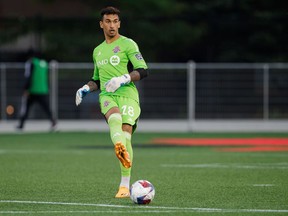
(111, 60)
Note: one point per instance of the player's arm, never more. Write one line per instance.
(28, 76)
(91, 86)
(140, 69)
(94, 85)
(138, 74)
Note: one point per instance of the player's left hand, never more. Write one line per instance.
(113, 84)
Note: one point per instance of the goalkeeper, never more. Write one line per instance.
(119, 100)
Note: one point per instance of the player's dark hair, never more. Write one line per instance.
(109, 10)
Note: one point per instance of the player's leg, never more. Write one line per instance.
(128, 137)
(114, 119)
(43, 101)
(130, 114)
(26, 102)
(124, 186)
(130, 111)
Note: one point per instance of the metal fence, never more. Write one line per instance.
(173, 91)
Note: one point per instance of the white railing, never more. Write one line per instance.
(194, 93)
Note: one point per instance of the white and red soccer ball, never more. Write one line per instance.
(142, 192)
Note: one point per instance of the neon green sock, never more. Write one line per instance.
(115, 125)
(127, 171)
(129, 145)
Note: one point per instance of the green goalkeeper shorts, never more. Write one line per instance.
(129, 108)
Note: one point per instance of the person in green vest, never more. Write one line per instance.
(119, 98)
(36, 88)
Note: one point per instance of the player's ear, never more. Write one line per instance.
(101, 24)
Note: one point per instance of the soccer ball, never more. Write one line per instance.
(142, 192)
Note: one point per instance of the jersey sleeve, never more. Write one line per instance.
(135, 56)
(96, 71)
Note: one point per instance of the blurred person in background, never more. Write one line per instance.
(119, 98)
(36, 88)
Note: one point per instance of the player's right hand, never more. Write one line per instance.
(81, 93)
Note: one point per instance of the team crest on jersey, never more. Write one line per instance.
(114, 60)
(106, 103)
(139, 56)
(116, 49)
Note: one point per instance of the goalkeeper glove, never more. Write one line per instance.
(81, 93)
(113, 84)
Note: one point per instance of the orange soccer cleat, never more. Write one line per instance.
(123, 155)
(123, 192)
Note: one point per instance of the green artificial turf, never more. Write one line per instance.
(78, 174)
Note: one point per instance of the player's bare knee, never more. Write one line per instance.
(127, 127)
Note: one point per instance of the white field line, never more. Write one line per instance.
(135, 209)
(82, 212)
(27, 151)
(227, 166)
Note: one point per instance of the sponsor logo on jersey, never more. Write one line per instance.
(116, 49)
(102, 62)
(139, 56)
(114, 60)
